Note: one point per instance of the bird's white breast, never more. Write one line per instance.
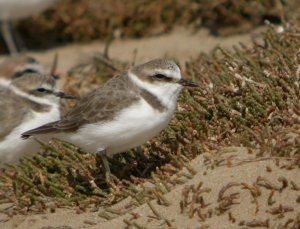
(13, 147)
(130, 128)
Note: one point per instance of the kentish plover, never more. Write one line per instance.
(128, 110)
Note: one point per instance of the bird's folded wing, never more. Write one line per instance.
(12, 112)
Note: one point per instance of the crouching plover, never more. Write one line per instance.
(128, 110)
(27, 102)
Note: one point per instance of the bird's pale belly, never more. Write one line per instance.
(13, 147)
(135, 136)
(131, 128)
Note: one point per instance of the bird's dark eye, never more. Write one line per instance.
(159, 76)
(41, 89)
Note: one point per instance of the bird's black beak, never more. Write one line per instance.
(187, 83)
(63, 95)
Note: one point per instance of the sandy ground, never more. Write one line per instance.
(261, 191)
(180, 44)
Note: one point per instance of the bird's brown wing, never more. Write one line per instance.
(99, 106)
(12, 111)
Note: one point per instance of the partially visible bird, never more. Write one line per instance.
(17, 9)
(25, 103)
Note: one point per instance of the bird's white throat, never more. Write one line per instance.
(166, 93)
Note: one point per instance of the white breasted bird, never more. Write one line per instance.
(128, 110)
(26, 102)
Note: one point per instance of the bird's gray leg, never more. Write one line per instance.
(6, 28)
(103, 156)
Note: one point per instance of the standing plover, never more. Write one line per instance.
(17, 9)
(27, 102)
(128, 110)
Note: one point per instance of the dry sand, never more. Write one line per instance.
(249, 182)
(180, 44)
